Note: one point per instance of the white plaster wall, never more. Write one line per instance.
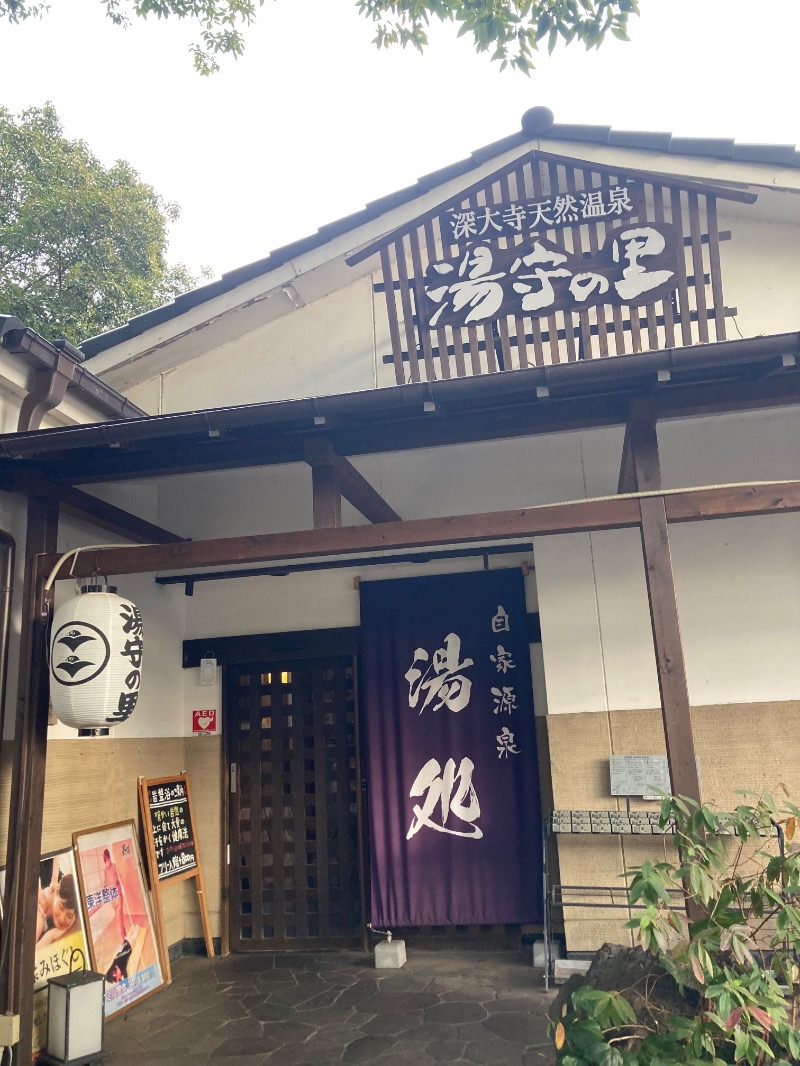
(324, 347)
(737, 580)
(759, 267)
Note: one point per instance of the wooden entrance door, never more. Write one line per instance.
(295, 871)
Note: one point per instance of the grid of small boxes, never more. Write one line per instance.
(615, 822)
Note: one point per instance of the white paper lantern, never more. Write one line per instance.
(95, 659)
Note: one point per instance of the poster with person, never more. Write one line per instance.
(60, 934)
(121, 932)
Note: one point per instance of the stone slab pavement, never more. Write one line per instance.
(334, 1007)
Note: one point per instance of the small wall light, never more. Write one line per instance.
(76, 1017)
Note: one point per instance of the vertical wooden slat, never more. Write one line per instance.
(257, 820)
(697, 267)
(339, 708)
(441, 334)
(594, 247)
(419, 298)
(552, 325)
(558, 238)
(408, 311)
(519, 321)
(633, 311)
(715, 267)
(536, 328)
(321, 813)
(652, 325)
(666, 305)
(391, 310)
(502, 323)
(486, 328)
(584, 325)
(301, 706)
(684, 308)
(278, 752)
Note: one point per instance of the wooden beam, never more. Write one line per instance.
(644, 464)
(583, 516)
(355, 488)
(327, 498)
(27, 783)
(98, 512)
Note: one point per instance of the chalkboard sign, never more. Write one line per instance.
(172, 851)
(169, 815)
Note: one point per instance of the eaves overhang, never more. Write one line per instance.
(727, 375)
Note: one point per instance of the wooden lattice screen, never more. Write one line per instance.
(694, 312)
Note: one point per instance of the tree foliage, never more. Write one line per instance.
(511, 30)
(82, 246)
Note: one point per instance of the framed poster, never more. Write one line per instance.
(60, 932)
(123, 939)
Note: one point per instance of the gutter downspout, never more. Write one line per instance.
(57, 369)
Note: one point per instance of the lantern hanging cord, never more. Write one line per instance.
(74, 553)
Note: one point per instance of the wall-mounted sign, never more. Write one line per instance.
(637, 264)
(204, 722)
(639, 775)
(517, 218)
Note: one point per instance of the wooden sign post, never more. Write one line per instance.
(172, 851)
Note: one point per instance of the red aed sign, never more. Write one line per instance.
(204, 721)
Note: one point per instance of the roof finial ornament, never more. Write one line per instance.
(537, 120)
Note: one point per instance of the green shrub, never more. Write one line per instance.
(723, 919)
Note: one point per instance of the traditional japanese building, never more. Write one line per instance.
(551, 392)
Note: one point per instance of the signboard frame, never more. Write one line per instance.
(62, 864)
(195, 872)
(114, 838)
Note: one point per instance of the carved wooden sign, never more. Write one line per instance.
(637, 264)
(516, 218)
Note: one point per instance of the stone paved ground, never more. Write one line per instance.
(253, 1010)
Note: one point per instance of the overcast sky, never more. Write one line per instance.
(313, 121)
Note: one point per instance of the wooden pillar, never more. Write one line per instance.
(642, 461)
(327, 497)
(27, 784)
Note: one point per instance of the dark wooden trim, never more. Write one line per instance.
(98, 512)
(355, 488)
(303, 644)
(28, 779)
(266, 647)
(580, 516)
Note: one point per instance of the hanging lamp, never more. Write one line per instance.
(95, 658)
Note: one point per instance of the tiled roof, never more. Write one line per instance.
(537, 122)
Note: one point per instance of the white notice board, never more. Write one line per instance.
(639, 775)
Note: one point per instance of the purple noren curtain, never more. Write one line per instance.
(453, 784)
